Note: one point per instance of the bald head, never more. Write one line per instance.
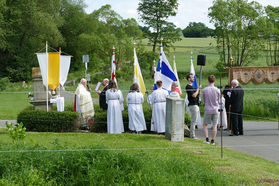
(83, 82)
(105, 82)
(234, 83)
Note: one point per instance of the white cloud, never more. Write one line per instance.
(188, 10)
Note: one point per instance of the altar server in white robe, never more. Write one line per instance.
(158, 102)
(224, 114)
(136, 117)
(114, 100)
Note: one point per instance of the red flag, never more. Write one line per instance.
(113, 67)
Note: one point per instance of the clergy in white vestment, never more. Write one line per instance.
(114, 100)
(84, 100)
(136, 117)
(158, 102)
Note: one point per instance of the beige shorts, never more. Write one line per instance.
(210, 119)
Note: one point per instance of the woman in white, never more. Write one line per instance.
(114, 100)
(136, 117)
(224, 113)
(158, 101)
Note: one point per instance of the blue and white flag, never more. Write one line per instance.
(164, 72)
(192, 70)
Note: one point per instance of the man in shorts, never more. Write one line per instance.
(211, 98)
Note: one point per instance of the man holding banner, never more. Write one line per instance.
(193, 98)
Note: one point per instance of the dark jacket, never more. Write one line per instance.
(227, 98)
(236, 99)
(102, 100)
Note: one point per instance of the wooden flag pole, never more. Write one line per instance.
(47, 77)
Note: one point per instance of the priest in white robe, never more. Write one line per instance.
(114, 99)
(158, 102)
(134, 101)
(84, 103)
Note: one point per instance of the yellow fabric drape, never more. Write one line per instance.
(140, 79)
(53, 69)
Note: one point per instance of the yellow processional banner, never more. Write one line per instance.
(53, 69)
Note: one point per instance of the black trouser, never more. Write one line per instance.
(237, 123)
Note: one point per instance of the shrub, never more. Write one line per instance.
(16, 132)
(51, 121)
(4, 82)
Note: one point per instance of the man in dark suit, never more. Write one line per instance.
(236, 101)
(102, 99)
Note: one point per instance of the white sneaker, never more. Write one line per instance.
(195, 138)
(206, 142)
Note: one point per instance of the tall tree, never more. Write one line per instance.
(75, 23)
(2, 24)
(28, 25)
(271, 35)
(237, 24)
(154, 14)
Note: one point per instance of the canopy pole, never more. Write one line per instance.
(47, 78)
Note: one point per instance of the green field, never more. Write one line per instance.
(126, 159)
(182, 52)
(12, 103)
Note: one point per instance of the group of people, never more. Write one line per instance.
(111, 99)
(216, 107)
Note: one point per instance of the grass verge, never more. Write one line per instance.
(131, 160)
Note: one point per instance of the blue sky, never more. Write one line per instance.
(188, 10)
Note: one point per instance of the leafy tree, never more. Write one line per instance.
(2, 24)
(28, 25)
(197, 30)
(271, 35)
(106, 29)
(75, 23)
(237, 24)
(154, 14)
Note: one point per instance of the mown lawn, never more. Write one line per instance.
(126, 159)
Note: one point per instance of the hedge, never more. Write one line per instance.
(51, 121)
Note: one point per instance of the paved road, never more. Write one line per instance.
(259, 139)
(3, 122)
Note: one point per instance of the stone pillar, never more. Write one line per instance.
(175, 119)
(39, 91)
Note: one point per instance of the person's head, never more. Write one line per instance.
(83, 82)
(174, 85)
(190, 78)
(105, 82)
(211, 79)
(234, 83)
(159, 84)
(112, 84)
(134, 87)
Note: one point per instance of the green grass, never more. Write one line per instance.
(184, 163)
(12, 103)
